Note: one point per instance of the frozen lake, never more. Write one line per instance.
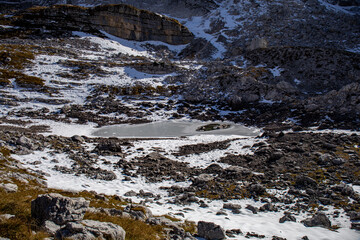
(171, 129)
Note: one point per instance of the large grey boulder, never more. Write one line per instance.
(210, 231)
(58, 209)
(89, 230)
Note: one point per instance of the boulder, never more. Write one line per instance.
(58, 209)
(210, 231)
(305, 181)
(319, 220)
(231, 206)
(26, 142)
(256, 189)
(90, 230)
(287, 217)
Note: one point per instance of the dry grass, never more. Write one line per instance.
(135, 230)
(21, 79)
(190, 227)
(15, 56)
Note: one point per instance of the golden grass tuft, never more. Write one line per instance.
(190, 227)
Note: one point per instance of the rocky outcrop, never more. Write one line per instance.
(89, 229)
(58, 209)
(62, 217)
(120, 20)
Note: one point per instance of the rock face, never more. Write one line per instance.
(58, 209)
(89, 229)
(210, 231)
(120, 20)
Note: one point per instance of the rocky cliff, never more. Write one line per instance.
(120, 20)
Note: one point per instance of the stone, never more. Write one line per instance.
(344, 189)
(50, 227)
(287, 217)
(231, 206)
(9, 187)
(354, 216)
(268, 207)
(319, 220)
(210, 231)
(257, 43)
(256, 189)
(77, 138)
(355, 225)
(58, 209)
(26, 142)
(253, 209)
(305, 181)
(91, 230)
(4, 217)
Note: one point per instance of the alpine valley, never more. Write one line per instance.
(181, 120)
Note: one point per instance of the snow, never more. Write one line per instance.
(354, 50)
(297, 82)
(115, 44)
(336, 8)
(276, 71)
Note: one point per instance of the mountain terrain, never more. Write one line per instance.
(74, 73)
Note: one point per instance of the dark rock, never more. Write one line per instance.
(305, 181)
(277, 238)
(210, 231)
(231, 206)
(253, 209)
(355, 225)
(268, 207)
(354, 216)
(256, 189)
(255, 235)
(287, 217)
(319, 220)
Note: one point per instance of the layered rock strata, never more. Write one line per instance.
(120, 20)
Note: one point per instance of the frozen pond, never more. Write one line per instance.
(172, 129)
